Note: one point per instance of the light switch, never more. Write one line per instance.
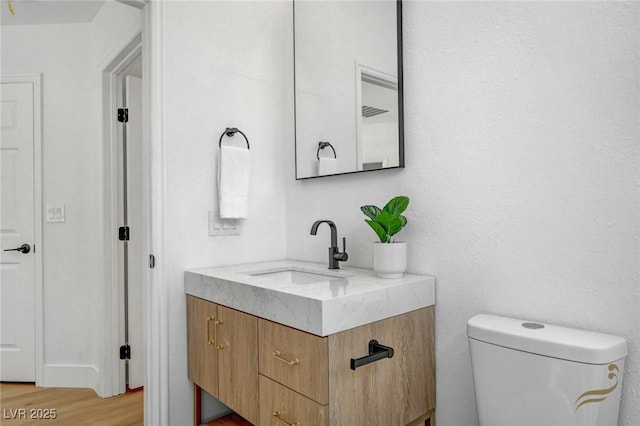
(218, 226)
(55, 212)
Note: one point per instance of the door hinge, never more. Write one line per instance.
(123, 233)
(152, 261)
(123, 115)
(125, 352)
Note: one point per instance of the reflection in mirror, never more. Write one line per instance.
(377, 133)
(348, 86)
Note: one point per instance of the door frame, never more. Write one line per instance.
(112, 370)
(156, 395)
(36, 81)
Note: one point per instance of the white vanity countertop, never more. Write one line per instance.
(340, 300)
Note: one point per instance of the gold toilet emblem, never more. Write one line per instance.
(599, 395)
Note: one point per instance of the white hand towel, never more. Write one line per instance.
(327, 166)
(233, 182)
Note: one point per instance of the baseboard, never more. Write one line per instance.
(71, 376)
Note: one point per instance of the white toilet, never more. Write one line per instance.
(530, 374)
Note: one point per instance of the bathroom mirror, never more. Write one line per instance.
(348, 86)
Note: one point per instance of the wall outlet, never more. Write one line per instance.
(218, 226)
(55, 212)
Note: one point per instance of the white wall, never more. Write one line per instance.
(226, 64)
(523, 168)
(71, 58)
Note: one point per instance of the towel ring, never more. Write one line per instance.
(230, 132)
(322, 145)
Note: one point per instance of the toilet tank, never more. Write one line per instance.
(532, 374)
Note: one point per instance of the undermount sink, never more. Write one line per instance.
(296, 277)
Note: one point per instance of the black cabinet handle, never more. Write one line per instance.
(376, 353)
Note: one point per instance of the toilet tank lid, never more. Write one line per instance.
(547, 339)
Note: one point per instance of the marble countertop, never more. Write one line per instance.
(321, 302)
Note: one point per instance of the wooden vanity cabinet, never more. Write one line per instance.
(305, 379)
(222, 355)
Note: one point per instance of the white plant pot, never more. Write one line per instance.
(389, 259)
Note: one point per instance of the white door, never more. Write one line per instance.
(17, 227)
(136, 257)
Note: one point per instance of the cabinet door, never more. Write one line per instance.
(391, 391)
(238, 362)
(296, 359)
(202, 353)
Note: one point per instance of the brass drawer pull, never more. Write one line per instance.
(216, 323)
(209, 341)
(277, 413)
(278, 355)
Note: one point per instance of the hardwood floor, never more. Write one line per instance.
(230, 420)
(25, 404)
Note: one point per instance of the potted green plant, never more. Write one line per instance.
(389, 255)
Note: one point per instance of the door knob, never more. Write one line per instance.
(25, 248)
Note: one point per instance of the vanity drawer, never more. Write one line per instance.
(280, 405)
(294, 358)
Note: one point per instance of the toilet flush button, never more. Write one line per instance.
(532, 325)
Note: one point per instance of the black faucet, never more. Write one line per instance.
(334, 251)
